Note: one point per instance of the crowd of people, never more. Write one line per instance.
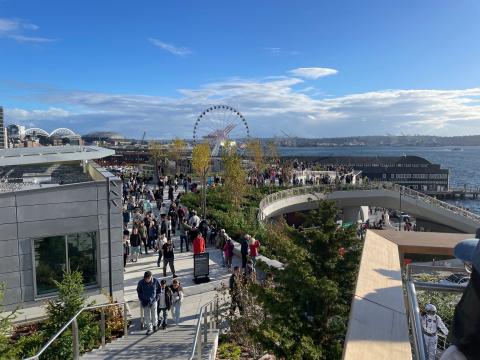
(152, 217)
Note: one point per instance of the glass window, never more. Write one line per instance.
(50, 262)
(55, 254)
(81, 255)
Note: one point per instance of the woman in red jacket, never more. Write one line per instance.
(254, 249)
(198, 244)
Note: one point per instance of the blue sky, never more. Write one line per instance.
(310, 68)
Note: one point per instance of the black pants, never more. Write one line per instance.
(160, 254)
(125, 257)
(168, 261)
(183, 238)
(244, 261)
(144, 241)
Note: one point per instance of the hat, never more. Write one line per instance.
(468, 250)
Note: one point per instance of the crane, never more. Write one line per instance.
(143, 138)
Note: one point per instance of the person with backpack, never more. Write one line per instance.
(164, 303)
(244, 250)
(135, 244)
(148, 290)
(177, 300)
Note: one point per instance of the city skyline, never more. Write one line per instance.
(312, 70)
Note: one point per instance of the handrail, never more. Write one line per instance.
(404, 191)
(208, 322)
(413, 308)
(73, 322)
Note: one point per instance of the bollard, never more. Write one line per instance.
(75, 345)
(102, 326)
(125, 319)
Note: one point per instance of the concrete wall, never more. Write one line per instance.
(29, 214)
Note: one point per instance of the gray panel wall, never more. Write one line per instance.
(31, 214)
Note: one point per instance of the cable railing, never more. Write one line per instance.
(75, 332)
(326, 188)
(208, 318)
(412, 285)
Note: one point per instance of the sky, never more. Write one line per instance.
(305, 68)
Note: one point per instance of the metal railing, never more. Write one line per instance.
(210, 319)
(327, 188)
(75, 331)
(413, 308)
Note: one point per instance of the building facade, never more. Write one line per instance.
(59, 218)
(414, 172)
(3, 143)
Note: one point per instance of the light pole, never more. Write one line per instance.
(400, 218)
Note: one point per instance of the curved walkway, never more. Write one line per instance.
(384, 195)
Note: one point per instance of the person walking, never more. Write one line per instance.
(244, 250)
(161, 241)
(152, 234)
(143, 231)
(147, 290)
(126, 252)
(168, 257)
(228, 253)
(135, 244)
(182, 231)
(164, 303)
(177, 299)
(431, 323)
(254, 249)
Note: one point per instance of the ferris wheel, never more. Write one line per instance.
(220, 125)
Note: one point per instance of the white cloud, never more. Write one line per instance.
(16, 29)
(276, 51)
(175, 50)
(269, 104)
(313, 72)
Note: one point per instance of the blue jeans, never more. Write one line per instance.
(162, 317)
(176, 312)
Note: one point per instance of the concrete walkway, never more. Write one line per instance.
(175, 342)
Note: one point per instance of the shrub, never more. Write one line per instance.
(229, 351)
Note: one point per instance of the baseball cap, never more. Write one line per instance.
(468, 250)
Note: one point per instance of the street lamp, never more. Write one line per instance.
(400, 218)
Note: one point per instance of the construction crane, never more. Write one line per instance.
(143, 138)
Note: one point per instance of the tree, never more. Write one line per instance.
(158, 155)
(201, 157)
(176, 150)
(272, 151)
(255, 152)
(235, 177)
(7, 351)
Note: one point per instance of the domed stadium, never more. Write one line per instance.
(102, 136)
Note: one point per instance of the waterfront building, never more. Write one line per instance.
(59, 212)
(414, 172)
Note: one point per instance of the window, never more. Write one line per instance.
(55, 254)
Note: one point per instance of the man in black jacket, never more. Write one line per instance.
(164, 303)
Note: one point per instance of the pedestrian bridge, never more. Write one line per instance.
(386, 195)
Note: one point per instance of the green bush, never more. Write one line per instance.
(229, 351)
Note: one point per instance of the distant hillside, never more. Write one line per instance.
(404, 140)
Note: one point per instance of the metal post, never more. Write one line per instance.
(75, 344)
(125, 320)
(102, 326)
(109, 220)
(211, 319)
(205, 324)
(199, 346)
(400, 219)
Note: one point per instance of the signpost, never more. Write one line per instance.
(201, 267)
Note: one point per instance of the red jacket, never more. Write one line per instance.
(254, 248)
(198, 245)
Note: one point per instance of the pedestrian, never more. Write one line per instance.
(126, 252)
(168, 223)
(135, 244)
(431, 323)
(159, 245)
(164, 303)
(143, 235)
(228, 253)
(244, 245)
(177, 300)
(126, 217)
(182, 231)
(464, 336)
(147, 291)
(170, 193)
(198, 243)
(254, 247)
(168, 257)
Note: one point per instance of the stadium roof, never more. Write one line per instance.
(51, 154)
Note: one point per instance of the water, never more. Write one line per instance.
(464, 165)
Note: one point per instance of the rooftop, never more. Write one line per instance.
(51, 154)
